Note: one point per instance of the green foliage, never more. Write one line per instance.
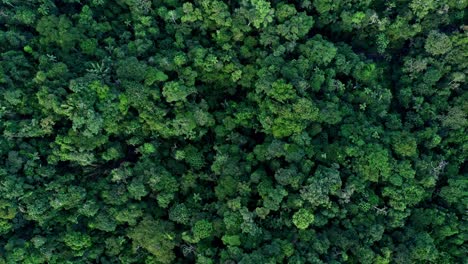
(156, 237)
(257, 12)
(437, 43)
(154, 75)
(77, 241)
(174, 91)
(202, 229)
(233, 240)
(303, 218)
(252, 131)
(405, 145)
(58, 31)
(179, 214)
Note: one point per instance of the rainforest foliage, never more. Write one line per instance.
(236, 131)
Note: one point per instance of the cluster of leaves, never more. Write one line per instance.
(251, 131)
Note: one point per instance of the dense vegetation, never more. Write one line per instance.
(249, 131)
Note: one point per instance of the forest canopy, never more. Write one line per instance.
(249, 131)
